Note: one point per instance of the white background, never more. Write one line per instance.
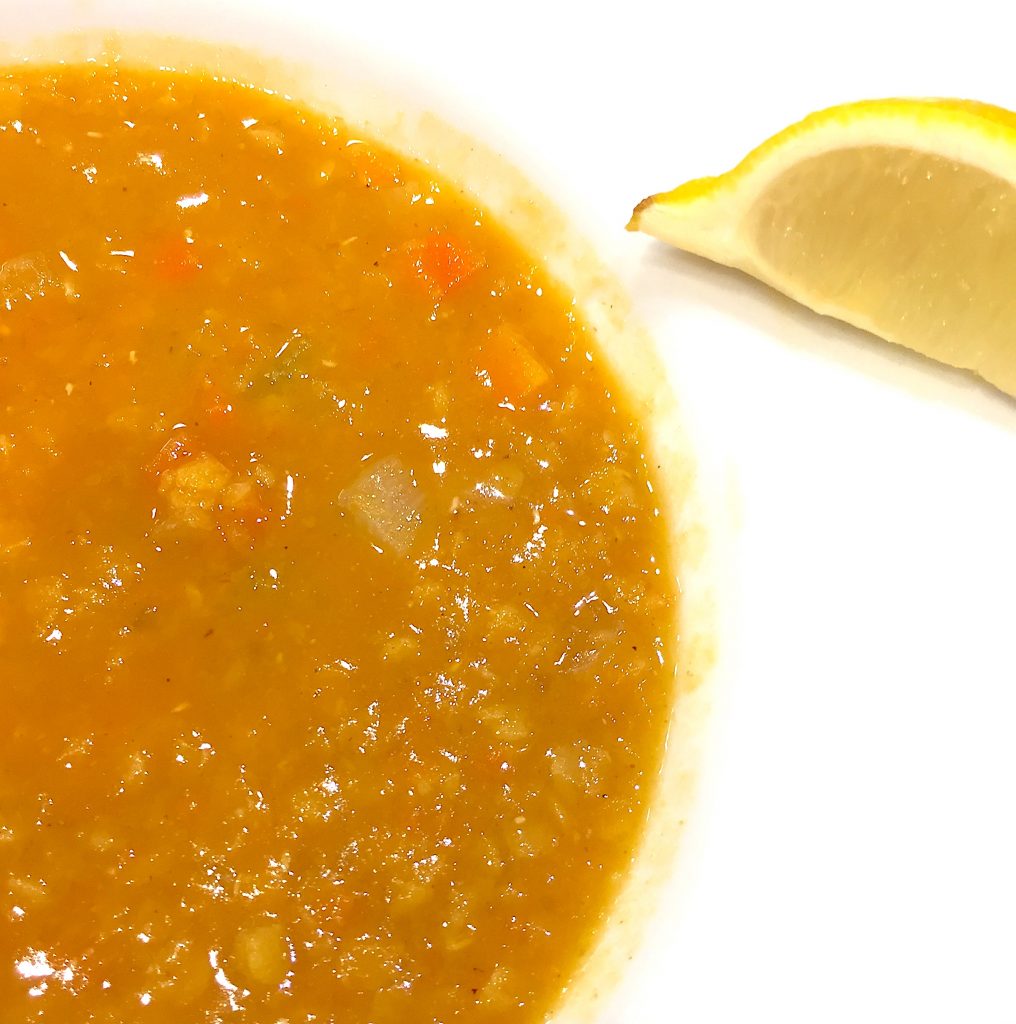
(854, 857)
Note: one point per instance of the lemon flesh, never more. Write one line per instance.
(898, 216)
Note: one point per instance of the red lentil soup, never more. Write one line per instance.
(335, 605)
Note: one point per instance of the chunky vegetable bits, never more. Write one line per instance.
(335, 603)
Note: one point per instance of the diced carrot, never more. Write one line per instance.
(175, 260)
(176, 448)
(215, 405)
(510, 365)
(244, 512)
(493, 766)
(443, 263)
(370, 168)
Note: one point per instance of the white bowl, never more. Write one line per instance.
(845, 511)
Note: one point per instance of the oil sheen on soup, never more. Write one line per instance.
(335, 603)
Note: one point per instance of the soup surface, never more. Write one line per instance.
(335, 605)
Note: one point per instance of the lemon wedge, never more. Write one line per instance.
(897, 216)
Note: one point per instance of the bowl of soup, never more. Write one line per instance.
(358, 615)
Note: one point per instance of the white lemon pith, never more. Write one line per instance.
(898, 216)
